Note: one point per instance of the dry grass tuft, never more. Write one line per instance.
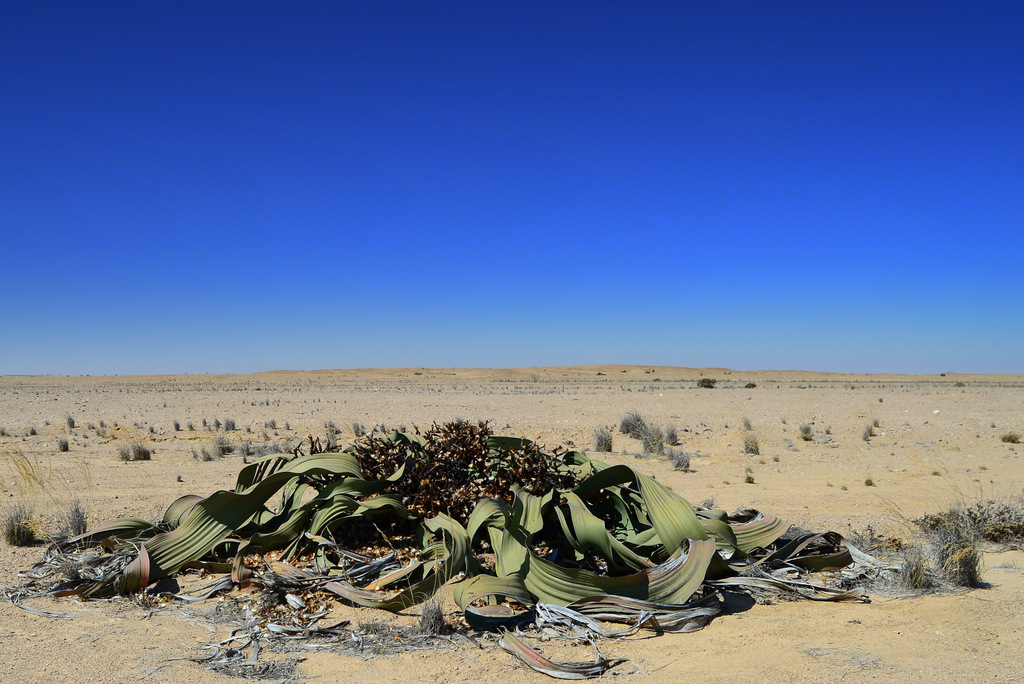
(18, 525)
(137, 451)
(602, 440)
(680, 460)
(956, 536)
(432, 619)
(653, 438)
(75, 520)
(633, 424)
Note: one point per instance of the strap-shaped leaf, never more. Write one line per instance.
(560, 670)
(455, 540)
(670, 514)
(669, 617)
(217, 516)
(586, 532)
(754, 529)
(674, 581)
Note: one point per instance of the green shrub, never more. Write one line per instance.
(1011, 438)
(707, 383)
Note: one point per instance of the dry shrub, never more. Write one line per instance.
(998, 522)
(915, 571)
(137, 451)
(455, 467)
(432, 619)
(222, 447)
(633, 424)
(671, 435)
(957, 535)
(653, 438)
(18, 525)
(74, 520)
(603, 440)
(680, 460)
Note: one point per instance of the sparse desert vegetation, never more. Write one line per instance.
(653, 439)
(935, 448)
(17, 525)
(136, 451)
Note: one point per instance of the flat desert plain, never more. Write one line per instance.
(937, 443)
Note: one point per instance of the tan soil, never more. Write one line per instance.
(938, 443)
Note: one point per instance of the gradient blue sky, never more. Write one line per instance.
(234, 187)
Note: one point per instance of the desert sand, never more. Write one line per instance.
(937, 443)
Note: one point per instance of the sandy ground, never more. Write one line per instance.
(937, 443)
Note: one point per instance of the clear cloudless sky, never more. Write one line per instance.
(243, 186)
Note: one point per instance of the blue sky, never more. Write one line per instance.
(234, 187)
